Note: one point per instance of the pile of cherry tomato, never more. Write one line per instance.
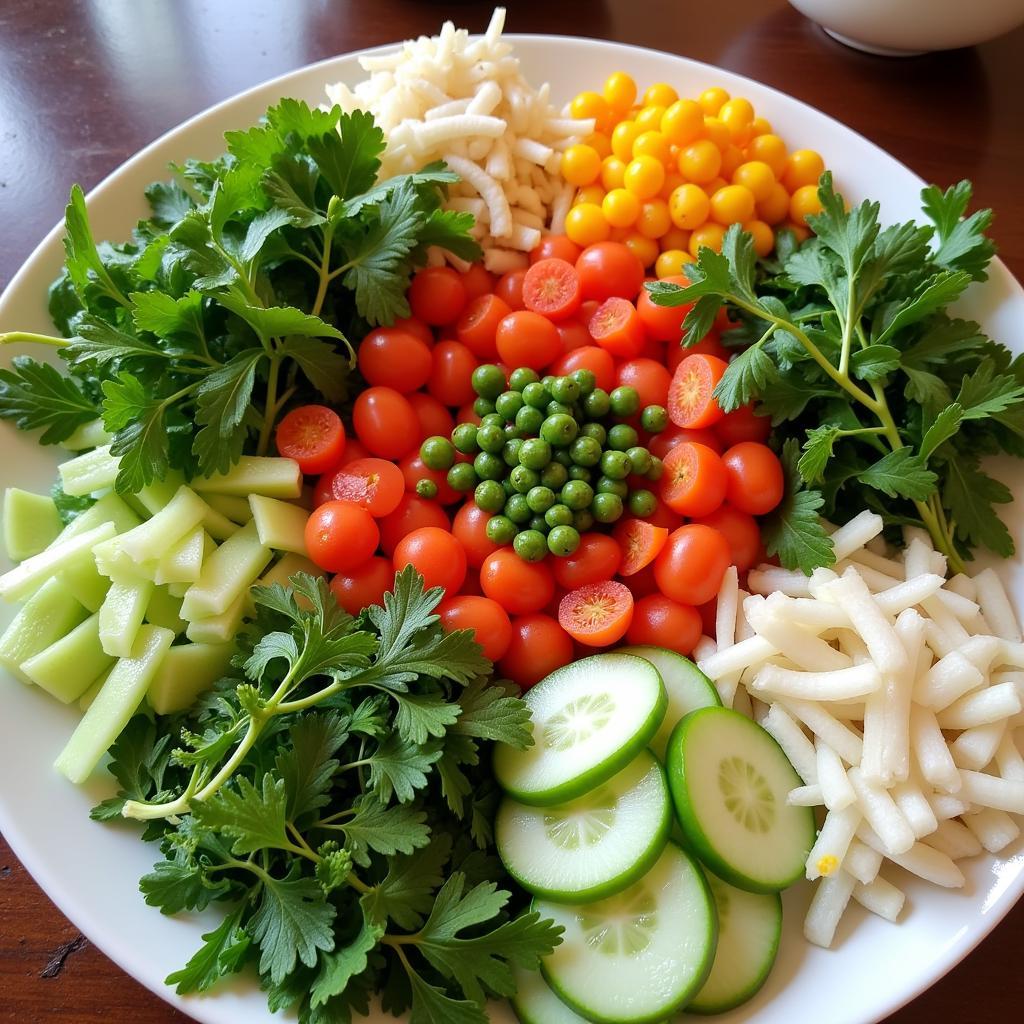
(379, 507)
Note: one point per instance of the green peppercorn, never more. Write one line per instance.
(597, 403)
(490, 439)
(510, 451)
(616, 465)
(483, 407)
(583, 520)
(554, 408)
(528, 420)
(606, 485)
(530, 545)
(585, 380)
(554, 475)
(491, 419)
(507, 487)
(517, 510)
(540, 499)
(558, 515)
(624, 401)
(595, 430)
(562, 457)
(510, 430)
(640, 459)
(536, 395)
(563, 541)
(654, 419)
(462, 477)
(464, 439)
(642, 503)
(621, 437)
(581, 473)
(489, 495)
(426, 488)
(585, 451)
(520, 377)
(501, 530)
(538, 523)
(607, 508)
(437, 453)
(559, 430)
(577, 494)
(547, 380)
(488, 380)
(508, 404)
(489, 466)
(535, 453)
(565, 390)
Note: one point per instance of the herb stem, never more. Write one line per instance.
(323, 270)
(303, 848)
(851, 320)
(357, 883)
(29, 338)
(271, 407)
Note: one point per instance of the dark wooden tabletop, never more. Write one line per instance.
(85, 84)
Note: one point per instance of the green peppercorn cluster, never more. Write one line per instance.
(550, 458)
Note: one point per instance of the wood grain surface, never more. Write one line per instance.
(86, 83)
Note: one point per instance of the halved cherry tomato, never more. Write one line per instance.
(598, 614)
(609, 269)
(385, 422)
(376, 485)
(412, 513)
(488, 620)
(436, 555)
(663, 516)
(477, 281)
(394, 359)
(741, 533)
(661, 444)
(478, 325)
(691, 565)
(433, 417)
(662, 622)
(743, 424)
(552, 287)
(694, 479)
(538, 646)
(451, 375)
(519, 587)
(364, 585)
(470, 529)
(313, 436)
(510, 289)
(341, 536)
(588, 357)
(616, 328)
(597, 558)
(437, 295)
(648, 377)
(526, 338)
(414, 326)
(709, 345)
(690, 399)
(574, 334)
(663, 323)
(640, 542)
(556, 247)
(414, 470)
(755, 479)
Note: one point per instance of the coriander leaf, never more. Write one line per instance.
(430, 1005)
(850, 235)
(399, 767)
(969, 494)
(192, 243)
(493, 713)
(297, 116)
(70, 507)
(423, 714)
(293, 921)
(180, 884)
(341, 965)
(276, 321)
(138, 758)
(455, 786)
(435, 173)
(36, 395)
(253, 818)
(349, 157)
(291, 186)
(321, 363)
(942, 428)
(935, 294)
(406, 893)
(369, 718)
(699, 320)
(307, 768)
(875, 362)
(944, 339)
(169, 203)
(794, 531)
(260, 228)
(962, 244)
(738, 249)
(926, 389)
(222, 953)
(334, 866)
(97, 344)
(786, 397)
(380, 829)
(813, 264)
(745, 378)
(901, 474)
(80, 248)
(139, 424)
(984, 393)
(817, 452)
(224, 412)
(449, 229)
(166, 316)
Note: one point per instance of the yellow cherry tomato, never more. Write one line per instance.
(804, 167)
(590, 194)
(761, 126)
(764, 237)
(661, 94)
(689, 207)
(654, 219)
(737, 115)
(804, 202)
(717, 132)
(700, 162)
(757, 176)
(774, 208)
(648, 119)
(581, 165)
(709, 235)
(585, 224)
(591, 104)
(711, 100)
(732, 157)
(619, 91)
(714, 185)
(620, 234)
(671, 262)
(770, 150)
(674, 238)
(620, 208)
(652, 144)
(644, 177)
(599, 142)
(732, 204)
(623, 135)
(802, 233)
(645, 249)
(673, 179)
(683, 122)
(612, 171)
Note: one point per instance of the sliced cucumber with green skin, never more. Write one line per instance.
(687, 688)
(593, 846)
(729, 780)
(749, 926)
(535, 1002)
(639, 956)
(590, 719)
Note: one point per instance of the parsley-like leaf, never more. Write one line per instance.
(901, 474)
(253, 818)
(222, 953)
(36, 396)
(386, 830)
(970, 494)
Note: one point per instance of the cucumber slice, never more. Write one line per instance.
(254, 474)
(217, 525)
(156, 495)
(236, 509)
(35, 571)
(90, 472)
(175, 521)
(687, 688)
(183, 563)
(109, 509)
(218, 629)
(535, 1002)
(31, 523)
(749, 926)
(590, 719)
(67, 668)
(121, 616)
(227, 574)
(90, 695)
(89, 435)
(85, 583)
(165, 610)
(593, 846)
(729, 781)
(49, 614)
(281, 525)
(187, 671)
(636, 958)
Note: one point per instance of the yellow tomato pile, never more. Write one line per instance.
(667, 175)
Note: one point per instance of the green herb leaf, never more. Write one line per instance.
(984, 393)
(875, 362)
(969, 494)
(817, 452)
(224, 411)
(962, 242)
(901, 474)
(321, 364)
(399, 767)
(794, 531)
(944, 426)
(253, 818)
(745, 379)
(36, 396)
(406, 894)
(386, 830)
(341, 965)
(222, 953)
(139, 424)
(349, 157)
(935, 294)
(309, 766)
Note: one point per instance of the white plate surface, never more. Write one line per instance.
(91, 871)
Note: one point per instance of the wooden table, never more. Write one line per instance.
(84, 85)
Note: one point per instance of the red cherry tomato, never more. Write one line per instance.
(649, 378)
(434, 418)
(661, 444)
(691, 565)
(597, 558)
(741, 533)
(664, 516)
(323, 491)
(411, 325)
(538, 646)
(477, 281)
(394, 359)
(642, 583)
(437, 295)
(313, 436)
(588, 357)
(609, 269)
(467, 414)
(436, 555)
(755, 479)
(510, 289)
(662, 622)
(341, 536)
(488, 620)
(574, 334)
(663, 323)
(693, 481)
(691, 402)
(414, 470)
(412, 513)
(355, 449)
(708, 613)
(552, 288)
(470, 529)
(452, 372)
(364, 585)
(376, 485)
(385, 422)
(709, 345)
(471, 586)
(598, 614)
(526, 338)
(519, 587)
(640, 541)
(478, 325)
(556, 247)
(743, 424)
(617, 328)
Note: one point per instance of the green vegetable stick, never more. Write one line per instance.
(31, 523)
(34, 571)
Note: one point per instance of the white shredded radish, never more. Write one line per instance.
(882, 814)
(992, 791)
(862, 862)
(856, 533)
(881, 898)
(975, 748)
(836, 791)
(995, 830)
(1009, 759)
(946, 681)
(846, 742)
(805, 796)
(768, 580)
(948, 805)
(829, 850)
(795, 745)
(995, 605)
(827, 907)
(797, 644)
(992, 704)
(705, 650)
(955, 840)
(913, 805)
(924, 861)
(851, 592)
(745, 654)
(931, 751)
(842, 684)
(908, 593)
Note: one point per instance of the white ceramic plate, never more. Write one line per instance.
(91, 871)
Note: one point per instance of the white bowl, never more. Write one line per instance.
(903, 28)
